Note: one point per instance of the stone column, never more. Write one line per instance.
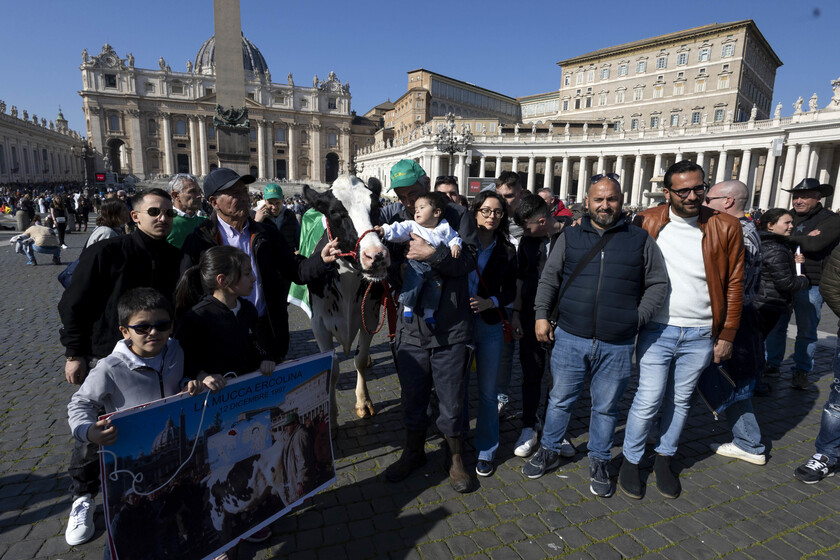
(291, 169)
(767, 182)
(435, 167)
(564, 178)
(461, 173)
(317, 155)
(783, 197)
(744, 174)
(720, 168)
(657, 171)
(826, 161)
(202, 145)
(498, 166)
(601, 164)
(167, 144)
(514, 166)
(195, 167)
(619, 170)
(701, 161)
(548, 176)
(532, 174)
(482, 169)
(137, 153)
(636, 193)
(261, 150)
(583, 179)
(803, 161)
(678, 157)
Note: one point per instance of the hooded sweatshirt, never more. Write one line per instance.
(124, 380)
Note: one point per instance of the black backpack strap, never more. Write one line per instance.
(579, 268)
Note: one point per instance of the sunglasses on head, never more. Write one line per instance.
(446, 179)
(155, 212)
(595, 178)
(146, 328)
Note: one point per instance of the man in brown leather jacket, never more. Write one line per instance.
(704, 256)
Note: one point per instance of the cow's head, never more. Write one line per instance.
(351, 208)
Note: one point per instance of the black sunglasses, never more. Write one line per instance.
(446, 179)
(146, 328)
(595, 178)
(155, 212)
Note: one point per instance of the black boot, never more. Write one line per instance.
(667, 481)
(413, 457)
(629, 480)
(458, 477)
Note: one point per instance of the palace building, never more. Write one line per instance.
(154, 122)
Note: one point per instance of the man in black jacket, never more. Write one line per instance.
(816, 231)
(621, 283)
(88, 311)
(274, 263)
(426, 358)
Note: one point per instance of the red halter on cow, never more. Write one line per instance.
(350, 301)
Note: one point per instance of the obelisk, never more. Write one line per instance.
(231, 119)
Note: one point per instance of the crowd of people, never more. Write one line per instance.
(198, 276)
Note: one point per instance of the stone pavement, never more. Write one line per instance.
(728, 508)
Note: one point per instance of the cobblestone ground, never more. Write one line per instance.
(728, 508)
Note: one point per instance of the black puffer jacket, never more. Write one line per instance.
(778, 273)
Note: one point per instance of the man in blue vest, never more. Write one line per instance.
(611, 278)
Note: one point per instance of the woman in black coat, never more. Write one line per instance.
(779, 280)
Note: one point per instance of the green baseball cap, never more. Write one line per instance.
(405, 173)
(272, 190)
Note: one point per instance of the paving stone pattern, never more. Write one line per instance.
(728, 508)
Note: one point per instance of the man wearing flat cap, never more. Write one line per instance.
(816, 232)
(433, 358)
(273, 262)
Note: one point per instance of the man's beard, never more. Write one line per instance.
(611, 219)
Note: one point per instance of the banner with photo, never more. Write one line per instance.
(190, 476)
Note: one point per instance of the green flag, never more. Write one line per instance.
(312, 228)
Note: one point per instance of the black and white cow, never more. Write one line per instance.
(351, 208)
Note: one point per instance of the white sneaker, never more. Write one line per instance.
(567, 449)
(527, 443)
(80, 525)
(503, 405)
(64, 246)
(731, 450)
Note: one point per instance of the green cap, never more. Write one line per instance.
(405, 173)
(272, 190)
(290, 418)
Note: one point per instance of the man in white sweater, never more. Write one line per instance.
(704, 256)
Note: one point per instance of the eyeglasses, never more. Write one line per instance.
(146, 328)
(446, 179)
(708, 199)
(155, 212)
(495, 212)
(595, 178)
(699, 190)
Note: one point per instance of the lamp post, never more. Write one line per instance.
(85, 152)
(450, 141)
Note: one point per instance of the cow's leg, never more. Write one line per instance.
(364, 406)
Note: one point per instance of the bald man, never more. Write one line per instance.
(730, 197)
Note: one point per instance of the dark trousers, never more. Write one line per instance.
(61, 229)
(419, 368)
(84, 469)
(532, 358)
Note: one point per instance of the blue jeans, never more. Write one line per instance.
(828, 440)
(488, 342)
(54, 251)
(745, 431)
(609, 366)
(670, 362)
(807, 305)
(505, 368)
(421, 287)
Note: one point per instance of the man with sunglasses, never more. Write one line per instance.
(816, 232)
(704, 256)
(88, 312)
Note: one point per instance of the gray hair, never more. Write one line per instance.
(178, 181)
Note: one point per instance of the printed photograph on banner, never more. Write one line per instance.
(199, 473)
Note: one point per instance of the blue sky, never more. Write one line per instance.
(510, 47)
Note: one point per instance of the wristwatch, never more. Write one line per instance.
(73, 358)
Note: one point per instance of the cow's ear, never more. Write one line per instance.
(374, 185)
(319, 201)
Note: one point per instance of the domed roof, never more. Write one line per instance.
(167, 436)
(252, 58)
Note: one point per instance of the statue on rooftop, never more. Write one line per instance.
(797, 105)
(812, 103)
